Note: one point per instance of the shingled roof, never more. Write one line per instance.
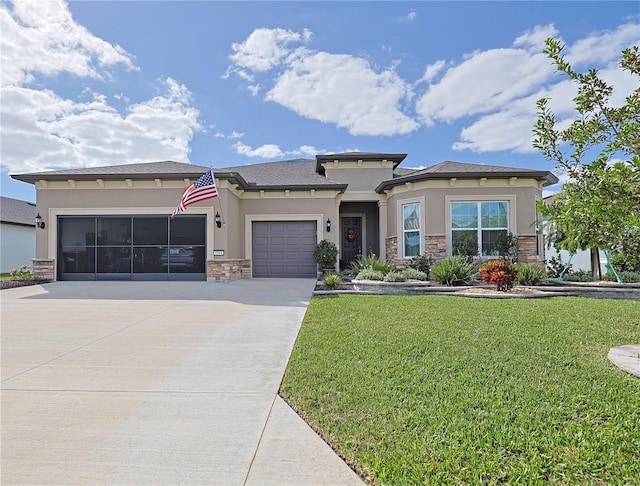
(449, 170)
(15, 211)
(146, 170)
(287, 174)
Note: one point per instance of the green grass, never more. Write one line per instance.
(449, 390)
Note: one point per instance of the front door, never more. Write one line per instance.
(351, 238)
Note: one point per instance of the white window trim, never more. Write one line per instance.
(509, 198)
(400, 224)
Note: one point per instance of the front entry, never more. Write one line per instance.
(351, 239)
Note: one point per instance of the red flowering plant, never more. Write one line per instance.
(499, 273)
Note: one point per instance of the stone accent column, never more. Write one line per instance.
(436, 246)
(391, 249)
(527, 246)
(228, 270)
(44, 268)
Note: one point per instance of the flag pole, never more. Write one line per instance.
(218, 198)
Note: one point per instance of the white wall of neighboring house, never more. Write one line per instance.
(17, 246)
(580, 261)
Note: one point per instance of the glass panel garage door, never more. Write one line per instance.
(132, 248)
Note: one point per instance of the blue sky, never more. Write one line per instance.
(233, 83)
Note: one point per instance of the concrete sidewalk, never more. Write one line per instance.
(156, 383)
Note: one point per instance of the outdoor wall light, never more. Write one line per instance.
(328, 225)
(218, 220)
(39, 222)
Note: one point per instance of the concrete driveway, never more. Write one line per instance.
(155, 383)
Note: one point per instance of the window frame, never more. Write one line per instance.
(510, 200)
(402, 250)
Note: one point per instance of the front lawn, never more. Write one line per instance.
(451, 390)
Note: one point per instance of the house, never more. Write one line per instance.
(114, 222)
(17, 233)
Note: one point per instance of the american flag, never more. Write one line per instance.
(203, 188)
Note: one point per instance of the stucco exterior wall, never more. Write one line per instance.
(146, 199)
(363, 178)
(17, 246)
(437, 196)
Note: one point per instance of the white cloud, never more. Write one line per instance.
(264, 48)
(332, 88)
(267, 151)
(484, 82)
(410, 16)
(42, 38)
(497, 89)
(533, 40)
(603, 48)
(41, 130)
(339, 89)
(432, 70)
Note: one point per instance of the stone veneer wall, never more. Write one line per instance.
(44, 268)
(228, 270)
(391, 250)
(527, 249)
(436, 247)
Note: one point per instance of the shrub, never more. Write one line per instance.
(371, 262)
(531, 274)
(421, 263)
(506, 245)
(626, 277)
(500, 273)
(22, 273)
(395, 276)
(325, 254)
(370, 274)
(332, 280)
(555, 267)
(454, 271)
(413, 274)
(579, 276)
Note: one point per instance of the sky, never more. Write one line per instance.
(223, 84)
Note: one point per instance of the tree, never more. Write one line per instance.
(599, 205)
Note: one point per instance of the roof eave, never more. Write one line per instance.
(548, 177)
(395, 158)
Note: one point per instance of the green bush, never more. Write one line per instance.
(626, 277)
(370, 274)
(332, 281)
(531, 274)
(395, 276)
(325, 254)
(579, 276)
(372, 262)
(507, 246)
(555, 267)
(454, 271)
(422, 263)
(22, 273)
(413, 274)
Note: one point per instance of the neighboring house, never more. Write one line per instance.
(17, 233)
(114, 222)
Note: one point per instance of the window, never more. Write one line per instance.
(411, 229)
(478, 227)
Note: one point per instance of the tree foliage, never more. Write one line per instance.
(599, 205)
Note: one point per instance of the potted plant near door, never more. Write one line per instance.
(326, 254)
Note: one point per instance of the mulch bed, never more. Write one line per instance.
(12, 284)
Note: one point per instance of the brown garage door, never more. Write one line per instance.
(284, 248)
